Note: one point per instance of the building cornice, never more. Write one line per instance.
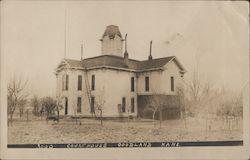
(113, 68)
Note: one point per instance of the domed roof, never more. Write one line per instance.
(111, 31)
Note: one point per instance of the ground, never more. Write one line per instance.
(90, 131)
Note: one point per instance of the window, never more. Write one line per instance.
(67, 83)
(123, 104)
(172, 83)
(66, 106)
(92, 109)
(93, 82)
(79, 83)
(132, 105)
(146, 84)
(63, 82)
(132, 84)
(79, 104)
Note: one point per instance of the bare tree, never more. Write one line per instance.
(35, 103)
(183, 103)
(201, 97)
(16, 96)
(74, 107)
(99, 105)
(59, 106)
(21, 106)
(208, 103)
(155, 106)
(154, 109)
(193, 85)
(194, 88)
(73, 103)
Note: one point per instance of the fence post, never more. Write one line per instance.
(27, 113)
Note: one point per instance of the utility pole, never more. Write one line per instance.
(81, 52)
(65, 33)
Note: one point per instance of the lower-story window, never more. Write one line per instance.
(132, 105)
(123, 104)
(92, 106)
(79, 104)
(66, 106)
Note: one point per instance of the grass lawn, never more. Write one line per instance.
(91, 131)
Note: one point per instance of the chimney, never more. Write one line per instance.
(126, 52)
(150, 55)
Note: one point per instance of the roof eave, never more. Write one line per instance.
(116, 68)
(183, 70)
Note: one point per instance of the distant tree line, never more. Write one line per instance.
(17, 99)
(198, 97)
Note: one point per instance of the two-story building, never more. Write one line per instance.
(116, 84)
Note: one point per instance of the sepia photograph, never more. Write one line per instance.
(117, 74)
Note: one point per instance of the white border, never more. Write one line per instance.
(238, 152)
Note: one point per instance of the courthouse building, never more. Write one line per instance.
(116, 84)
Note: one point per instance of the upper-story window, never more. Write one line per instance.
(172, 83)
(63, 82)
(67, 83)
(132, 84)
(146, 84)
(79, 83)
(93, 82)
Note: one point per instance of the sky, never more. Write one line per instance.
(212, 36)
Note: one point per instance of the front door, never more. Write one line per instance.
(66, 105)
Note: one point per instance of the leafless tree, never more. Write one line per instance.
(99, 105)
(193, 83)
(16, 96)
(59, 106)
(194, 87)
(21, 106)
(27, 115)
(208, 103)
(155, 106)
(154, 109)
(74, 107)
(183, 103)
(35, 103)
